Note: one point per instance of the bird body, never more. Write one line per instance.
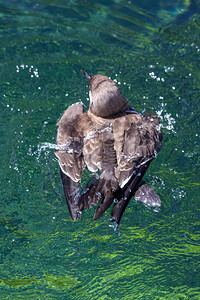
(111, 138)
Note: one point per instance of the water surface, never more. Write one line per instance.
(152, 50)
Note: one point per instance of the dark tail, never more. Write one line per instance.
(102, 191)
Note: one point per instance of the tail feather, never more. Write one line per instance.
(103, 206)
(105, 192)
(90, 197)
(102, 191)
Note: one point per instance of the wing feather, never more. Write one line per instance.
(70, 157)
(141, 140)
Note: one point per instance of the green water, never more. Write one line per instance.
(152, 49)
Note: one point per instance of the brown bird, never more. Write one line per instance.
(112, 140)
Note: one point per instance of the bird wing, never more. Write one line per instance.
(71, 143)
(141, 141)
(70, 157)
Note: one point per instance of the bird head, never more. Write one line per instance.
(105, 97)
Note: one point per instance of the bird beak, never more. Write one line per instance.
(86, 74)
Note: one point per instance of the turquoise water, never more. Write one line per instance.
(152, 49)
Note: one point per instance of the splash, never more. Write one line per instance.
(46, 145)
(43, 147)
(115, 227)
(167, 121)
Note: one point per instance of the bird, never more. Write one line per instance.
(115, 143)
